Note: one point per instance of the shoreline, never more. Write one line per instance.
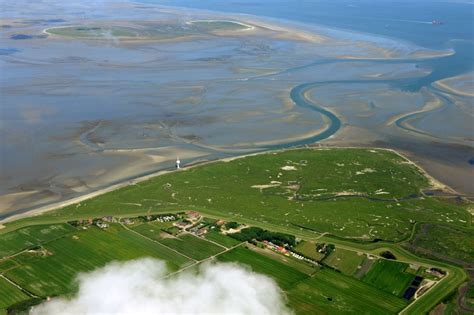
(435, 183)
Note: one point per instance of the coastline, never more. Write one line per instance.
(305, 32)
(435, 183)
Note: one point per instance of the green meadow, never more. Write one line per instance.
(10, 295)
(345, 261)
(153, 230)
(51, 270)
(352, 193)
(283, 274)
(308, 249)
(222, 239)
(389, 276)
(446, 242)
(326, 291)
(192, 246)
(330, 292)
(27, 237)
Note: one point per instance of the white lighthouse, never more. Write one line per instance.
(178, 163)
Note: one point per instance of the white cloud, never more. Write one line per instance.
(139, 287)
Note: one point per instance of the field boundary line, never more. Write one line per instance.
(18, 286)
(40, 244)
(205, 239)
(155, 241)
(203, 260)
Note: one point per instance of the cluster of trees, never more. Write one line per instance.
(325, 249)
(231, 225)
(388, 255)
(255, 233)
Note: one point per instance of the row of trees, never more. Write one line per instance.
(255, 233)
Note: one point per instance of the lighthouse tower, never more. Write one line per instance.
(178, 163)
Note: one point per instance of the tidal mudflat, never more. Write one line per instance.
(93, 98)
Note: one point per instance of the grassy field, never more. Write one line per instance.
(295, 189)
(453, 244)
(212, 26)
(30, 236)
(153, 31)
(330, 292)
(152, 230)
(283, 274)
(193, 246)
(222, 239)
(7, 264)
(309, 250)
(51, 271)
(344, 260)
(92, 31)
(9, 294)
(389, 275)
(326, 292)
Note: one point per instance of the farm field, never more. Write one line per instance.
(324, 292)
(284, 275)
(30, 236)
(152, 230)
(192, 246)
(82, 251)
(292, 262)
(315, 190)
(222, 239)
(344, 260)
(309, 250)
(331, 292)
(10, 295)
(389, 276)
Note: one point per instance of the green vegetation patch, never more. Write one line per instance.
(283, 274)
(454, 244)
(193, 246)
(308, 249)
(7, 264)
(146, 30)
(390, 276)
(330, 292)
(215, 25)
(52, 270)
(93, 31)
(345, 261)
(9, 294)
(28, 237)
(152, 230)
(220, 238)
(469, 296)
(368, 194)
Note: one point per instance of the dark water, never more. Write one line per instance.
(406, 20)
